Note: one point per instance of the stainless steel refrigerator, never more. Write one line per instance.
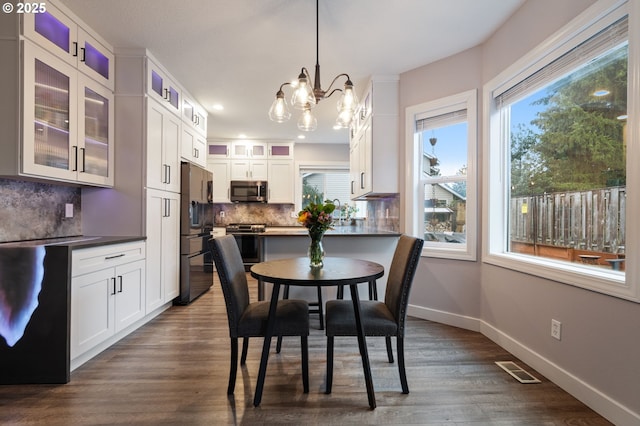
(196, 224)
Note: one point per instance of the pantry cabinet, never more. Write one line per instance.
(163, 243)
(163, 139)
(107, 293)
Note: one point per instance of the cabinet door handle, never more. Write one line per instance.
(166, 94)
(362, 180)
(75, 48)
(75, 156)
(168, 174)
(84, 157)
(113, 280)
(196, 154)
(114, 256)
(84, 54)
(352, 183)
(120, 282)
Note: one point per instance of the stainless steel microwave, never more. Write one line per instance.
(248, 191)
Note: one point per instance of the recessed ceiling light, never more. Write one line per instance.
(602, 92)
(217, 107)
(242, 136)
(302, 137)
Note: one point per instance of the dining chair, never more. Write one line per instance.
(379, 318)
(250, 319)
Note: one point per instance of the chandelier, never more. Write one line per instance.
(306, 97)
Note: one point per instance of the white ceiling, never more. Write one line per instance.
(238, 52)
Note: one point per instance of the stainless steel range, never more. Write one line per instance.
(246, 235)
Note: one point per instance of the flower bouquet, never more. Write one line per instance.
(317, 219)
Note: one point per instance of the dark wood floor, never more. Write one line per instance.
(174, 370)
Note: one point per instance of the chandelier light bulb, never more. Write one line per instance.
(279, 111)
(303, 96)
(344, 119)
(307, 121)
(348, 101)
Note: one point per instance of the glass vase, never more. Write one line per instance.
(316, 250)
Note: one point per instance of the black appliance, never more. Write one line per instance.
(196, 224)
(248, 191)
(246, 235)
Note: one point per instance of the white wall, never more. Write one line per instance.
(597, 359)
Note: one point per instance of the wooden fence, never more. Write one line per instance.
(586, 220)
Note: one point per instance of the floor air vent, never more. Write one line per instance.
(517, 372)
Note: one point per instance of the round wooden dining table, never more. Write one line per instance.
(337, 271)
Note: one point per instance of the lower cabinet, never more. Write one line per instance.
(107, 293)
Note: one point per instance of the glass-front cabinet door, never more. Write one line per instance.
(49, 119)
(60, 35)
(95, 147)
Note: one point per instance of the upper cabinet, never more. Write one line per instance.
(72, 41)
(194, 132)
(374, 141)
(162, 88)
(248, 150)
(57, 108)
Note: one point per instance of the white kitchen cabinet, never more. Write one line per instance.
(162, 88)
(221, 170)
(163, 242)
(67, 122)
(218, 150)
(248, 150)
(374, 141)
(193, 146)
(194, 114)
(249, 169)
(63, 34)
(107, 293)
(281, 181)
(280, 150)
(57, 109)
(163, 143)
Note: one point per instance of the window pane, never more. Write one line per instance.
(568, 165)
(318, 186)
(445, 213)
(445, 150)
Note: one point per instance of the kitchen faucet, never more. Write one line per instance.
(339, 210)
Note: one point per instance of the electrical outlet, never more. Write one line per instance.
(68, 210)
(293, 214)
(221, 213)
(556, 329)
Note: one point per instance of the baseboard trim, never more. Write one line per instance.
(588, 395)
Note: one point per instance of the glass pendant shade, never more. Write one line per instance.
(344, 119)
(348, 101)
(279, 112)
(307, 121)
(303, 96)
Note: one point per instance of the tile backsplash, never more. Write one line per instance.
(32, 211)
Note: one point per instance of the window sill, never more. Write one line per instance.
(599, 279)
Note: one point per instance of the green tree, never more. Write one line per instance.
(576, 142)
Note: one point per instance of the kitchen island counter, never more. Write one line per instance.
(356, 242)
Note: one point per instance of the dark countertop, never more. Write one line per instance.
(340, 231)
(77, 242)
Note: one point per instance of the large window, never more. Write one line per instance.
(558, 147)
(330, 181)
(441, 157)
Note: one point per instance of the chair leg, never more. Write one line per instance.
(329, 364)
(304, 344)
(373, 290)
(320, 308)
(285, 295)
(234, 366)
(403, 374)
(245, 349)
(340, 294)
(389, 350)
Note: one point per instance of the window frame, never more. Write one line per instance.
(414, 184)
(496, 163)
